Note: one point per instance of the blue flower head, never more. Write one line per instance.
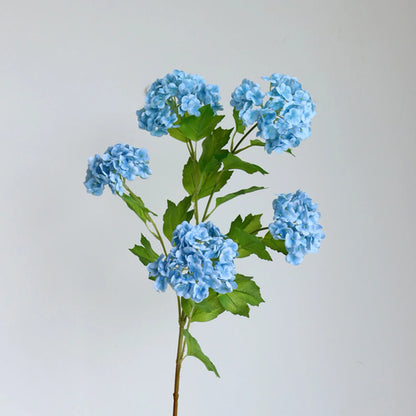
(284, 119)
(244, 98)
(293, 112)
(175, 95)
(118, 162)
(296, 219)
(201, 258)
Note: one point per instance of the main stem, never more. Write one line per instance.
(179, 358)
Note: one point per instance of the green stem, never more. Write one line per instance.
(179, 356)
(155, 234)
(245, 148)
(232, 139)
(193, 154)
(206, 215)
(242, 139)
(259, 229)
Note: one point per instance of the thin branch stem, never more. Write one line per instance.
(193, 153)
(242, 139)
(155, 234)
(179, 357)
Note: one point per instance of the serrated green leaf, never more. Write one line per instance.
(175, 214)
(203, 311)
(232, 161)
(177, 134)
(212, 146)
(145, 253)
(194, 349)
(225, 198)
(239, 125)
(250, 224)
(238, 301)
(136, 204)
(213, 181)
(188, 173)
(197, 127)
(277, 245)
(242, 232)
(249, 244)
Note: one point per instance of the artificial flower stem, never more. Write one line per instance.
(259, 229)
(244, 148)
(157, 235)
(242, 139)
(196, 187)
(206, 215)
(179, 357)
(232, 139)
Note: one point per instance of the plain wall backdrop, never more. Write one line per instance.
(83, 332)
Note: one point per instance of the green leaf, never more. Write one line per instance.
(213, 181)
(136, 204)
(203, 311)
(175, 214)
(256, 142)
(212, 146)
(239, 125)
(250, 244)
(242, 232)
(193, 349)
(232, 161)
(145, 253)
(176, 133)
(277, 245)
(197, 127)
(290, 152)
(238, 301)
(225, 198)
(250, 224)
(188, 176)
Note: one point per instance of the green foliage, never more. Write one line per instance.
(193, 349)
(177, 134)
(145, 253)
(197, 127)
(239, 125)
(277, 245)
(225, 198)
(204, 311)
(212, 149)
(243, 233)
(238, 301)
(207, 180)
(256, 142)
(213, 182)
(175, 214)
(136, 204)
(232, 161)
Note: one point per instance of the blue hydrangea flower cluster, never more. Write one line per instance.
(284, 120)
(296, 221)
(244, 98)
(201, 258)
(176, 93)
(118, 162)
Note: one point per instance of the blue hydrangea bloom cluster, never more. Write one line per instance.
(118, 162)
(244, 98)
(176, 93)
(284, 120)
(296, 221)
(201, 258)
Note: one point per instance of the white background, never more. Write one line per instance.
(82, 331)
